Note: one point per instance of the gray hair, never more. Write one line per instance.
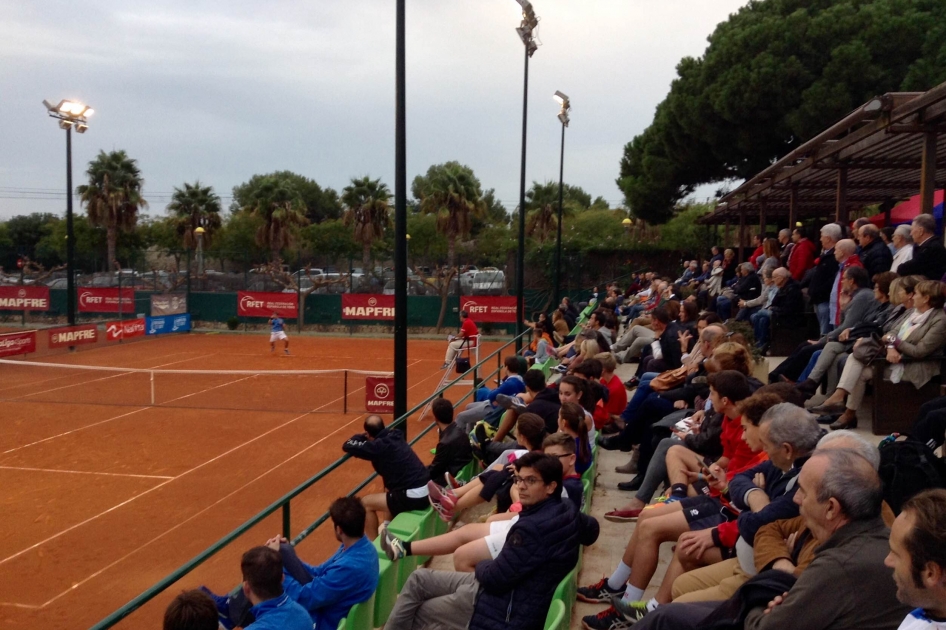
(870, 230)
(781, 272)
(832, 231)
(846, 245)
(847, 439)
(791, 424)
(747, 267)
(851, 481)
(925, 221)
(903, 231)
(785, 232)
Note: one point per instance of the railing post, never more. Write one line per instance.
(152, 389)
(286, 521)
(345, 399)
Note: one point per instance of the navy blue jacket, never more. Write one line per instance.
(391, 457)
(542, 547)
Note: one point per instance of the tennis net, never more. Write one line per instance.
(301, 391)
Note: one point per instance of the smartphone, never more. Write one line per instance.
(683, 426)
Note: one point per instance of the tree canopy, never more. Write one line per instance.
(775, 74)
(320, 203)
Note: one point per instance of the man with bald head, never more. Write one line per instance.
(845, 252)
(787, 308)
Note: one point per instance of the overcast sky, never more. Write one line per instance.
(220, 91)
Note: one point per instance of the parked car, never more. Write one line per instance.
(489, 282)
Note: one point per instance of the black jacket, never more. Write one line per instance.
(876, 257)
(453, 453)
(788, 305)
(546, 405)
(822, 278)
(542, 547)
(747, 287)
(929, 259)
(670, 346)
(391, 457)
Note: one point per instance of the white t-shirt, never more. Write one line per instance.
(917, 620)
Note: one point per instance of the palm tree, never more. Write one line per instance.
(113, 196)
(282, 210)
(453, 194)
(367, 208)
(542, 208)
(192, 207)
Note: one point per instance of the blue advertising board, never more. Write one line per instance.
(168, 324)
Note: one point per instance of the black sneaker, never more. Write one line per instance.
(608, 619)
(632, 611)
(598, 592)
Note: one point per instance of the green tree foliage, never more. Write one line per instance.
(452, 193)
(368, 206)
(427, 243)
(24, 233)
(493, 245)
(775, 74)
(495, 214)
(320, 203)
(331, 241)
(281, 209)
(542, 207)
(113, 196)
(682, 233)
(195, 206)
(236, 240)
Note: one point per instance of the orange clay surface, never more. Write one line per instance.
(102, 494)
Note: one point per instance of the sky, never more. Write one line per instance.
(220, 91)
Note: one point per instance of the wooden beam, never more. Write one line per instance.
(727, 241)
(742, 233)
(762, 218)
(792, 210)
(840, 208)
(928, 173)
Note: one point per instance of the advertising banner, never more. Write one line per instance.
(167, 324)
(379, 394)
(107, 300)
(73, 336)
(367, 306)
(490, 309)
(261, 304)
(125, 329)
(168, 304)
(24, 298)
(12, 344)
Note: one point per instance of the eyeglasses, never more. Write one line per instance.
(527, 481)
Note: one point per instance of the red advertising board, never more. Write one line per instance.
(379, 394)
(12, 344)
(125, 329)
(491, 309)
(261, 304)
(24, 298)
(108, 300)
(367, 306)
(73, 336)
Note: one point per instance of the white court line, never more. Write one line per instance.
(84, 472)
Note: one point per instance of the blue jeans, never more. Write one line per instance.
(761, 324)
(811, 365)
(724, 307)
(640, 394)
(823, 311)
(745, 313)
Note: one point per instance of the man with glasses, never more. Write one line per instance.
(515, 589)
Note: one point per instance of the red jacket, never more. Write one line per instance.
(802, 258)
(755, 255)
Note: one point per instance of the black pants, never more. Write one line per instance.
(677, 616)
(930, 425)
(240, 606)
(795, 364)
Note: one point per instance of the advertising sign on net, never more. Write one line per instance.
(167, 324)
(107, 300)
(491, 309)
(264, 304)
(73, 336)
(168, 304)
(125, 329)
(367, 306)
(24, 298)
(12, 344)
(379, 394)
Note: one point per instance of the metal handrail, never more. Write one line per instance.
(283, 503)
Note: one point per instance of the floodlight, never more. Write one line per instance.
(199, 230)
(65, 124)
(81, 128)
(88, 112)
(561, 98)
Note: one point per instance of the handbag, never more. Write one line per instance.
(463, 365)
(869, 349)
(669, 379)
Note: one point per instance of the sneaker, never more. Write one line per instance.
(622, 516)
(608, 619)
(452, 481)
(392, 545)
(598, 592)
(631, 611)
(561, 368)
(222, 602)
(444, 366)
(287, 352)
(510, 402)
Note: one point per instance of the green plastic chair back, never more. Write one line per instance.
(361, 616)
(386, 593)
(555, 620)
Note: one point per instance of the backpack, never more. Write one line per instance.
(907, 468)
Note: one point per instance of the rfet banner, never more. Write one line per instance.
(73, 336)
(23, 298)
(490, 309)
(125, 329)
(109, 300)
(379, 394)
(260, 304)
(12, 344)
(367, 306)
(168, 304)
(167, 324)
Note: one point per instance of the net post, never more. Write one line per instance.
(286, 520)
(152, 389)
(345, 395)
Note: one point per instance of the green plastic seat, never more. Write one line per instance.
(469, 471)
(361, 616)
(555, 620)
(566, 591)
(409, 527)
(343, 623)
(587, 490)
(386, 593)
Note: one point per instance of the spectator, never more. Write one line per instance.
(918, 559)
(758, 241)
(786, 245)
(886, 235)
(514, 590)
(609, 411)
(453, 450)
(562, 329)
(748, 286)
(747, 308)
(874, 254)
(664, 352)
(512, 384)
(929, 256)
(404, 476)
(845, 254)
(930, 425)
(802, 257)
(903, 247)
(822, 282)
(787, 308)
(716, 255)
(538, 399)
(770, 258)
(191, 610)
(468, 338)
(729, 265)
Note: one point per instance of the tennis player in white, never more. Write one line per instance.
(278, 333)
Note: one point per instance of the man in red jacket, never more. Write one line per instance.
(803, 255)
(468, 338)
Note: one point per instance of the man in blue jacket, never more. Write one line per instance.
(262, 585)
(514, 591)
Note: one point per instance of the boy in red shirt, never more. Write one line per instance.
(467, 338)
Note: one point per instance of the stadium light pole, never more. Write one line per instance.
(70, 114)
(526, 27)
(563, 117)
(400, 222)
(200, 251)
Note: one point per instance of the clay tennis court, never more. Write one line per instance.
(104, 494)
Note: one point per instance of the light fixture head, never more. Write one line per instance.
(407, 236)
(561, 97)
(563, 117)
(199, 231)
(81, 127)
(626, 222)
(88, 112)
(65, 124)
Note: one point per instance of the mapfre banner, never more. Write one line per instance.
(490, 309)
(366, 306)
(23, 298)
(12, 344)
(125, 329)
(73, 336)
(109, 300)
(260, 304)
(379, 394)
